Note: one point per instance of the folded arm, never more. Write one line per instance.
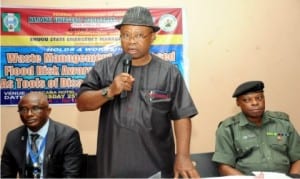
(295, 168)
(225, 170)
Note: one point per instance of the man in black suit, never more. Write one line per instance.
(57, 151)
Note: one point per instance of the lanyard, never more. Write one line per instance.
(34, 156)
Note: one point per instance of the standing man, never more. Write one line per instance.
(41, 148)
(137, 106)
(255, 139)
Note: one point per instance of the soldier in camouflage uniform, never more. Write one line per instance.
(255, 139)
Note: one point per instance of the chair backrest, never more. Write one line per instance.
(205, 166)
(88, 168)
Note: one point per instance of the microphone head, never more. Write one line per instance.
(127, 59)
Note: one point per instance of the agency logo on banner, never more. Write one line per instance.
(11, 22)
(168, 22)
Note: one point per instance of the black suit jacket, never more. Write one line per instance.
(62, 156)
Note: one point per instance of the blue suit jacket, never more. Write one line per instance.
(62, 156)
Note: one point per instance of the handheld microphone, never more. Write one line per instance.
(127, 63)
(126, 69)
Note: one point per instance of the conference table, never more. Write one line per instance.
(258, 175)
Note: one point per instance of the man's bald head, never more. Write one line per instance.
(39, 96)
(34, 110)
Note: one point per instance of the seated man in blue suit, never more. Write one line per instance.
(42, 147)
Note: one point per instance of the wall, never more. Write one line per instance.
(229, 42)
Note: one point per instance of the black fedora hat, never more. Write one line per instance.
(139, 16)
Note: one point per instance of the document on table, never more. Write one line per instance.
(271, 175)
(264, 175)
(231, 177)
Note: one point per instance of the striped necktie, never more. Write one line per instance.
(33, 145)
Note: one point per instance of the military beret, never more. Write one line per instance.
(249, 86)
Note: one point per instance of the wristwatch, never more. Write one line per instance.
(104, 92)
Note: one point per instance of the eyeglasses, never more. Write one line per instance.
(34, 110)
(135, 37)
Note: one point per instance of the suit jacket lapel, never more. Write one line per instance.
(22, 146)
(49, 146)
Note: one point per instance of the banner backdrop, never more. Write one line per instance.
(51, 50)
